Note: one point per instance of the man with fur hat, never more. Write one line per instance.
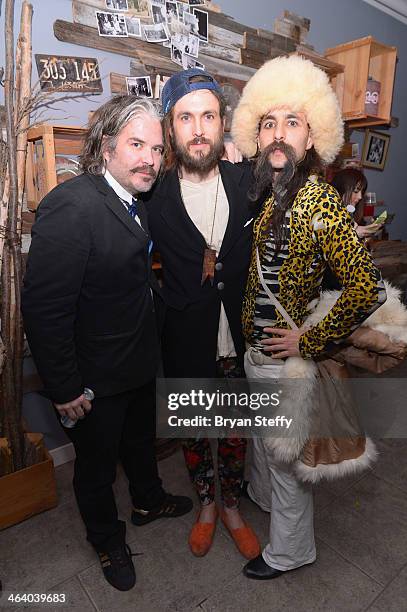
(290, 115)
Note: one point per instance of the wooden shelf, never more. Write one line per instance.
(51, 158)
(363, 58)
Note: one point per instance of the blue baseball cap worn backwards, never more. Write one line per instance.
(182, 83)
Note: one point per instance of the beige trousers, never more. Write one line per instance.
(273, 486)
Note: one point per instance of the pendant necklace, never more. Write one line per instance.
(208, 266)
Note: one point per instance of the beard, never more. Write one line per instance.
(267, 178)
(201, 163)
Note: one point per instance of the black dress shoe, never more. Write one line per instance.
(118, 568)
(259, 570)
(171, 507)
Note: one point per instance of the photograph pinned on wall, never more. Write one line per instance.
(176, 55)
(182, 9)
(375, 149)
(191, 46)
(160, 81)
(133, 26)
(139, 8)
(155, 33)
(196, 2)
(171, 9)
(176, 28)
(111, 24)
(117, 5)
(202, 17)
(158, 12)
(139, 87)
(191, 22)
(188, 45)
(189, 62)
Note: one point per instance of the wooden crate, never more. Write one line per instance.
(51, 158)
(27, 492)
(363, 58)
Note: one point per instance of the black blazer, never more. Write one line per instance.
(191, 326)
(87, 300)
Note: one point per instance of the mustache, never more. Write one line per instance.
(199, 140)
(266, 179)
(145, 170)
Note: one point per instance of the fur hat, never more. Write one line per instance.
(298, 84)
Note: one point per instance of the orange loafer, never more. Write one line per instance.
(201, 537)
(244, 538)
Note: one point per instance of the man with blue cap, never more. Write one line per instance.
(200, 222)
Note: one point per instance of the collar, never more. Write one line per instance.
(118, 189)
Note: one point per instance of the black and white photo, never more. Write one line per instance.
(202, 17)
(191, 23)
(176, 55)
(189, 62)
(111, 24)
(158, 12)
(191, 45)
(133, 26)
(375, 149)
(117, 5)
(155, 33)
(139, 86)
(196, 2)
(171, 9)
(182, 9)
(139, 8)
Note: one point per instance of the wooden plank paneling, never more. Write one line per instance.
(277, 40)
(252, 42)
(328, 66)
(84, 14)
(302, 22)
(118, 83)
(86, 36)
(252, 58)
(228, 23)
(225, 37)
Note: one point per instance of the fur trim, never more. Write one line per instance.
(391, 319)
(288, 449)
(298, 84)
(349, 467)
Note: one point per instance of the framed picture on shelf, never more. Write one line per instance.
(375, 148)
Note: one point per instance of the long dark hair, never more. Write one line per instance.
(347, 181)
(284, 192)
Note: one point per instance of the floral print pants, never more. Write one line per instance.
(199, 461)
(231, 457)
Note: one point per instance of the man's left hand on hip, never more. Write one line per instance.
(287, 345)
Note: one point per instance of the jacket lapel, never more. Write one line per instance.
(114, 203)
(239, 212)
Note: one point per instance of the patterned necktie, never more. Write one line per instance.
(132, 208)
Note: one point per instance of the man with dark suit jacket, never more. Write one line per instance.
(201, 225)
(90, 306)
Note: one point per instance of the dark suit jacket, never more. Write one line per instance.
(192, 316)
(87, 304)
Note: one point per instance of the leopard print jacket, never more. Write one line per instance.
(321, 233)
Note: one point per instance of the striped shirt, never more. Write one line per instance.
(265, 312)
